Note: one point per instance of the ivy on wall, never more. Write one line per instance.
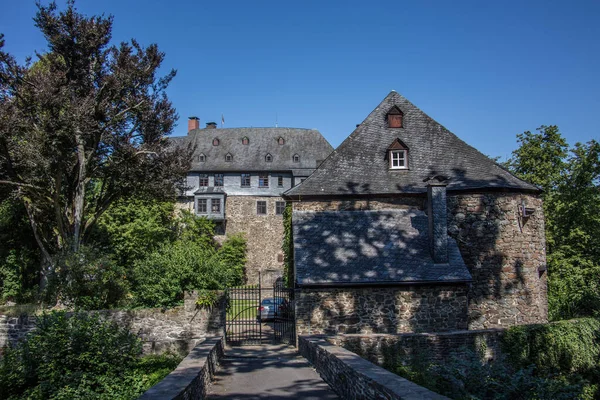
(288, 247)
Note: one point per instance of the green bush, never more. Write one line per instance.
(19, 260)
(467, 375)
(68, 354)
(132, 228)
(563, 347)
(88, 280)
(162, 277)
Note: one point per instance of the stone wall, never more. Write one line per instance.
(264, 235)
(389, 351)
(503, 251)
(177, 329)
(381, 310)
(190, 380)
(352, 377)
(14, 329)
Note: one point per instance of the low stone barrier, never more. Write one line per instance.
(388, 350)
(192, 376)
(177, 329)
(353, 377)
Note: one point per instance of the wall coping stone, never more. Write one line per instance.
(386, 384)
(192, 376)
(423, 334)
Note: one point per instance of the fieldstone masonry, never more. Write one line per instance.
(177, 329)
(381, 310)
(263, 233)
(389, 351)
(505, 254)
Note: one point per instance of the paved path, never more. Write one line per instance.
(267, 372)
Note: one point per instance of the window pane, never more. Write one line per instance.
(218, 179)
(280, 181)
(203, 180)
(245, 180)
(263, 181)
(279, 207)
(215, 206)
(261, 207)
(201, 206)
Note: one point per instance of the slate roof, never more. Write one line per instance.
(369, 247)
(309, 144)
(359, 166)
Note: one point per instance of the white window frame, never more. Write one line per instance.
(395, 156)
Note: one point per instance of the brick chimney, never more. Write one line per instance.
(211, 125)
(193, 123)
(438, 223)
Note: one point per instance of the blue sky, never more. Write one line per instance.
(485, 70)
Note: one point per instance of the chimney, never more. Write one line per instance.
(193, 123)
(211, 125)
(438, 223)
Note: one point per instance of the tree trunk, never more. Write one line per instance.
(79, 202)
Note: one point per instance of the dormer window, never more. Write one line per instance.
(296, 158)
(398, 159)
(268, 158)
(395, 118)
(215, 142)
(201, 157)
(398, 155)
(228, 157)
(245, 140)
(281, 140)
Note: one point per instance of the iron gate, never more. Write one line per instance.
(258, 315)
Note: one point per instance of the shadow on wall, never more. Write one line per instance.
(492, 241)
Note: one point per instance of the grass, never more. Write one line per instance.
(244, 309)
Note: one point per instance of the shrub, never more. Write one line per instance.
(88, 280)
(563, 347)
(466, 375)
(66, 355)
(162, 278)
(132, 228)
(19, 260)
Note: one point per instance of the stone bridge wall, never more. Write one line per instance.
(177, 329)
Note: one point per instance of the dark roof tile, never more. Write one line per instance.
(362, 247)
(359, 166)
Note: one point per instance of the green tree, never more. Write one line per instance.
(570, 179)
(132, 228)
(84, 127)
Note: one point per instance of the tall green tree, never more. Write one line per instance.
(570, 179)
(84, 126)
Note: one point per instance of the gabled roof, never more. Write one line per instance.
(359, 167)
(369, 247)
(309, 144)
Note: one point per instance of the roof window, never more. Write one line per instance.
(268, 158)
(216, 142)
(395, 118)
(296, 158)
(245, 140)
(228, 157)
(398, 155)
(281, 140)
(201, 157)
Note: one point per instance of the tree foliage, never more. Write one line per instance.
(79, 356)
(84, 126)
(570, 179)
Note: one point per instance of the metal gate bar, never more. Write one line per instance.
(243, 323)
